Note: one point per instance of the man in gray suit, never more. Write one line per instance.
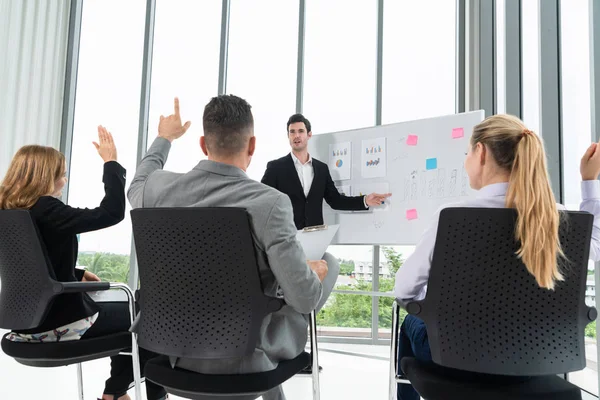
(221, 181)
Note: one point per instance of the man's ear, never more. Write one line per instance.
(309, 134)
(203, 145)
(251, 145)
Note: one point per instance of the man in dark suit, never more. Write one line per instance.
(307, 181)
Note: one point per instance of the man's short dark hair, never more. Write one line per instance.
(228, 124)
(298, 118)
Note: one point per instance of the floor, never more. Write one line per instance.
(349, 372)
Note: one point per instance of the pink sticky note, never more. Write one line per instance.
(457, 133)
(411, 214)
(412, 140)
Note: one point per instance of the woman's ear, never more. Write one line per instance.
(482, 150)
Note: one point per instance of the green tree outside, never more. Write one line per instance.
(109, 267)
(590, 330)
(355, 311)
(346, 267)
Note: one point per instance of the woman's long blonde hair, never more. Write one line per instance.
(521, 152)
(32, 174)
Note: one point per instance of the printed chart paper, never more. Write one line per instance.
(373, 158)
(340, 161)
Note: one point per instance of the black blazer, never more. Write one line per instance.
(58, 225)
(281, 174)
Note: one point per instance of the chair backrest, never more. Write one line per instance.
(200, 290)
(485, 312)
(26, 286)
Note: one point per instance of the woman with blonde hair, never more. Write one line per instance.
(506, 164)
(34, 181)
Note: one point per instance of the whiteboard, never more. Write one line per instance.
(420, 162)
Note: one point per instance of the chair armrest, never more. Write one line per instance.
(80, 287)
(411, 306)
(592, 314)
(275, 304)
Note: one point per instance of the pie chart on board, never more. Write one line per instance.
(338, 163)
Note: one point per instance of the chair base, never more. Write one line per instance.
(193, 385)
(48, 355)
(437, 383)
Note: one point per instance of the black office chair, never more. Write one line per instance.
(27, 291)
(201, 297)
(486, 315)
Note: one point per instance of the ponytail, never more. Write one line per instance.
(538, 219)
(520, 151)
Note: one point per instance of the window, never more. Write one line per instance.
(108, 93)
(347, 314)
(501, 56)
(340, 64)
(185, 63)
(576, 96)
(419, 59)
(391, 260)
(576, 120)
(263, 51)
(530, 63)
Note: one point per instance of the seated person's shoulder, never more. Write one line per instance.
(162, 176)
(265, 191)
(259, 195)
(46, 203)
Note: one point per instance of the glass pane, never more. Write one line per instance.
(269, 85)
(350, 315)
(340, 64)
(108, 93)
(576, 120)
(501, 56)
(576, 96)
(185, 63)
(356, 265)
(419, 59)
(391, 260)
(346, 315)
(531, 64)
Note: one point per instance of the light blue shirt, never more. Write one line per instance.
(412, 277)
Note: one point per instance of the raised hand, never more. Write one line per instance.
(106, 148)
(170, 127)
(375, 199)
(590, 163)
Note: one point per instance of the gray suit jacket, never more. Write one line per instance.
(281, 260)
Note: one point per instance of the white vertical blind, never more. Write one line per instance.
(33, 51)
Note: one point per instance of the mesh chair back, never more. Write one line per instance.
(200, 293)
(485, 313)
(26, 286)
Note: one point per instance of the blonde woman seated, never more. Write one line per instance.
(34, 181)
(506, 163)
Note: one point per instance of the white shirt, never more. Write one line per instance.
(412, 277)
(306, 174)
